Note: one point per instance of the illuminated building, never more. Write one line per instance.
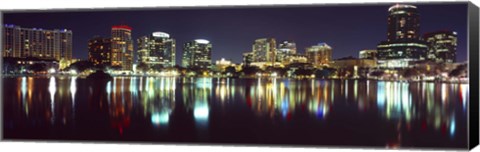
(221, 65)
(442, 46)
(99, 50)
(36, 42)
(197, 54)
(319, 55)
(356, 67)
(403, 44)
(157, 49)
(286, 49)
(295, 58)
(368, 54)
(264, 50)
(122, 47)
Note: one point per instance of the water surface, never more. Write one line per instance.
(245, 111)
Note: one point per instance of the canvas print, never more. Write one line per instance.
(390, 75)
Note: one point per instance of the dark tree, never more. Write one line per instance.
(250, 70)
(38, 67)
(143, 67)
(458, 71)
(81, 66)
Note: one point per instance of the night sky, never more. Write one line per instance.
(347, 28)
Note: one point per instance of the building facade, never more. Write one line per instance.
(99, 51)
(197, 54)
(36, 42)
(264, 50)
(442, 46)
(122, 47)
(158, 49)
(285, 50)
(319, 55)
(368, 54)
(403, 43)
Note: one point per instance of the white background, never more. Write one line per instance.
(63, 146)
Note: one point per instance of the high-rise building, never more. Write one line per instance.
(99, 50)
(442, 46)
(157, 49)
(197, 54)
(403, 43)
(36, 42)
(368, 54)
(264, 50)
(319, 55)
(286, 49)
(403, 22)
(122, 47)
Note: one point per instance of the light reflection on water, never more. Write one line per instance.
(156, 99)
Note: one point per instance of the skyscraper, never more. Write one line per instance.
(403, 22)
(319, 55)
(36, 42)
(197, 54)
(99, 50)
(442, 46)
(286, 49)
(122, 47)
(264, 50)
(158, 49)
(403, 43)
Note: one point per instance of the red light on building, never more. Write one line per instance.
(122, 27)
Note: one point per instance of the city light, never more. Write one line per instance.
(160, 118)
(51, 70)
(202, 41)
(410, 85)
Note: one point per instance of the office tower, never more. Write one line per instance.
(36, 42)
(403, 43)
(99, 50)
(122, 47)
(319, 55)
(264, 50)
(157, 50)
(442, 46)
(197, 54)
(286, 49)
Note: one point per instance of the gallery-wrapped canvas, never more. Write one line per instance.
(386, 75)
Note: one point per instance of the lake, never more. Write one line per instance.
(280, 111)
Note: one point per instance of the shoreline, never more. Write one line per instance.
(254, 77)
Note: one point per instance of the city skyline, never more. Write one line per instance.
(233, 34)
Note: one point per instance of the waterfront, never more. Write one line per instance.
(249, 111)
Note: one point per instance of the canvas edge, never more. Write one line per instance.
(473, 50)
(473, 61)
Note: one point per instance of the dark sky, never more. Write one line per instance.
(232, 31)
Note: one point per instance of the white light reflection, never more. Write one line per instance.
(109, 91)
(381, 95)
(52, 88)
(24, 88)
(73, 89)
(452, 127)
(463, 91)
(444, 92)
(201, 112)
(161, 118)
